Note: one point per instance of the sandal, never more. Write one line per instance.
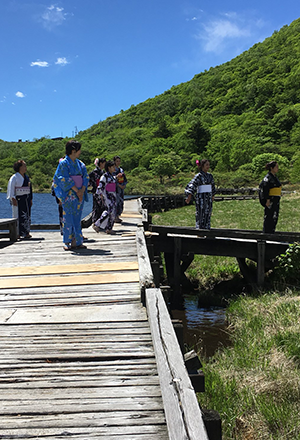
(67, 247)
(81, 246)
(96, 228)
(27, 237)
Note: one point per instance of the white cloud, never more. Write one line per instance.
(53, 16)
(62, 61)
(217, 32)
(20, 95)
(231, 27)
(39, 63)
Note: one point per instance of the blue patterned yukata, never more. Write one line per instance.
(106, 185)
(204, 186)
(72, 207)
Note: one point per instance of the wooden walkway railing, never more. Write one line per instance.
(80, 356)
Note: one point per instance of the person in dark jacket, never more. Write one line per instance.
(271, 189)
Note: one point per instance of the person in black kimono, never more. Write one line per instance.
(271, 193)
(203, 186)
(121, 184)
(19, 192)
(95, 177)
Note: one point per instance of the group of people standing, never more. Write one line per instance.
(202, 187)
(107, 182)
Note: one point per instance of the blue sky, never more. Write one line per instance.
(67, 65)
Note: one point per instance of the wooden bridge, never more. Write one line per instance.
(80, 356)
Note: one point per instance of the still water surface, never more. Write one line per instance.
(204, 329)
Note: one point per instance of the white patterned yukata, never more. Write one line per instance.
(108, 216)
(204, 186)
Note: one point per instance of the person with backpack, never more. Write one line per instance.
(269, 197)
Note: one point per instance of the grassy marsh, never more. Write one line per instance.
(255, 383)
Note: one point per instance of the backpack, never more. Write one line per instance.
(262, 200)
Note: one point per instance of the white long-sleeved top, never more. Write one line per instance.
(15, 181)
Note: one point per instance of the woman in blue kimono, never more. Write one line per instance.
(204, 186)
(70, 184)
(19, 192)
(107, 192)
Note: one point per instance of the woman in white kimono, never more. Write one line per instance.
(19, 192)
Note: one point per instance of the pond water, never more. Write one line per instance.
(204, 329)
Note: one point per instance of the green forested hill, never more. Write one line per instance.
(238, 115)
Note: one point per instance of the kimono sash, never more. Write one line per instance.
(275, 191)
(77, 180)
(204, 189)
(22, 190)
(111, 187)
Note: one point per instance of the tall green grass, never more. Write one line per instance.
(255, 383)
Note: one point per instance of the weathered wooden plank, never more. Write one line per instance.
(84, 393)
(183, 415)
(68, 269)
(134, 432)
(128, 312)
(45, 406)
(69, 280)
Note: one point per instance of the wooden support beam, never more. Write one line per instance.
(261, 251)
(182, 411)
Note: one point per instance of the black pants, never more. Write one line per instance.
(271, 216)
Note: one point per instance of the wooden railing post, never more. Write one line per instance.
(261, 250)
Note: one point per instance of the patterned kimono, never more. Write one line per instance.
(122, 180)
(98, 206)
(19, 188)
(204, 186)
(107, 188)
(271, 187)
(72, 207)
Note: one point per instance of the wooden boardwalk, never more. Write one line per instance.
(76, 353)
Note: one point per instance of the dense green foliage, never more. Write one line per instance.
(231, 114)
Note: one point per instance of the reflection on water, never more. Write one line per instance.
(204, 329)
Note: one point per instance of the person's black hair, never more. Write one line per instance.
(202, 163)
(72, 145)
(271, 165)
(116, 157)
(18, 164)
(108, 164)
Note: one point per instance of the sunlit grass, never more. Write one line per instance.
(255, 383)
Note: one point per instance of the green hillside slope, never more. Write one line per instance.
(231, 114)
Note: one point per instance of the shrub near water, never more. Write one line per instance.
(255, 384)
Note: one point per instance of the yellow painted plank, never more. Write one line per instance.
(72, 280)
(131, 214)
(68, 269)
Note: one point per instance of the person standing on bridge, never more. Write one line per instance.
(107, 192)
(94, 177)
(270, 189)
(121, 184)
(70, 184)
(204, 186)
(19, 192)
